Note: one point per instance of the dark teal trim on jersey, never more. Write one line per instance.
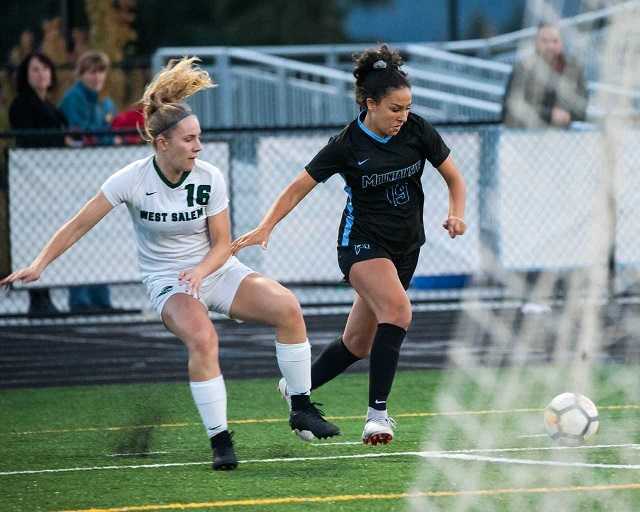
(348, 222)
(164, 179)
(371, 133)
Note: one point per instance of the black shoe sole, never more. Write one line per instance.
(225, 465)
(303, 431)
(308, 436)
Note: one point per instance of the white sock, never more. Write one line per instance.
(294, 361)
(375, 414)
(210, 397)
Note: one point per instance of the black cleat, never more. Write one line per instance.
(308, 423)
(224, 457)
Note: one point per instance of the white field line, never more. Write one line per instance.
(454, 454)
(531, 462)
(323, 444)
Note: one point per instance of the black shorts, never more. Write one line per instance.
(405, 263)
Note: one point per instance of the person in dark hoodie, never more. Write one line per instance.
(32, 110)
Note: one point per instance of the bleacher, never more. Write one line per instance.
(460, 81)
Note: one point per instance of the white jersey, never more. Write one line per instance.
(170, 219)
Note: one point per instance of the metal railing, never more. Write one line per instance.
(258, 89)
(312, 85)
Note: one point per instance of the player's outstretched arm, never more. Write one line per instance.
(454, 224)
(288, 199)
(74, 229)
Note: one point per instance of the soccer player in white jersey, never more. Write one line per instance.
(179, 208)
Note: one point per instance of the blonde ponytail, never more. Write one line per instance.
(163, 99)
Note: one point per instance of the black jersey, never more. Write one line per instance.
(382, 175)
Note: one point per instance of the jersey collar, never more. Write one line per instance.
(369, 132)
(164, 179)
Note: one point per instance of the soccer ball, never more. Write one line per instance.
(570, 419)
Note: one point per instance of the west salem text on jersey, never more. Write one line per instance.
(170, 219)
(382, 181)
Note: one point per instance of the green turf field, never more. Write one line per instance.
(142, 448)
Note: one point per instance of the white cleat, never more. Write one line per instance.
(378, 431)
(282, 388)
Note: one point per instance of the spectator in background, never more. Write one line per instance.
(547, 88)
(130, 119)
(87, 112)
(82, 104)
(32, 110)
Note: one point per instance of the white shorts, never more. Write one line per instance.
(217, 290)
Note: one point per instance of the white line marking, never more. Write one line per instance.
(97, 468)
(531, 436)
(501, 460)
(454, 454)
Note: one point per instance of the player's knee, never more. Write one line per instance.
(204, 344)
(359, 345)
(289, 311)
(399, 314)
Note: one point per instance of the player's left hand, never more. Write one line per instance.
(193, 279)
(25, 275)
(455, 226)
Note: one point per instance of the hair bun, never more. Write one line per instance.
(380, 64)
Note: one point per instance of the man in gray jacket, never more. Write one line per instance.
(547, 88)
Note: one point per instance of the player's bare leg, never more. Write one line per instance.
(377, 282)
(266, 301)
(188, 319)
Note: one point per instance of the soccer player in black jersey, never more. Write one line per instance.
(381, 156)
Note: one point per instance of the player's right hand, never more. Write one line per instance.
(258, 236)
(25, 275)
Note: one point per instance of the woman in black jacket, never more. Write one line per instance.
(32, 110)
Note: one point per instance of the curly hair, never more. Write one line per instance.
(377, 70)
(163, 103)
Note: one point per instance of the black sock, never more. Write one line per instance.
(383, 362)
(299, 402)
(333, 360)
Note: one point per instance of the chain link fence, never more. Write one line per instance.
(536, 202)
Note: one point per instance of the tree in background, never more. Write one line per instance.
(111, 31)
(111, 26)
(25, 46)
(53, 42)
(230, 22)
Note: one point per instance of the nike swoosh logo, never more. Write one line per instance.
(360, 162)
(150, 193)
(214, 428)
(380, 401)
